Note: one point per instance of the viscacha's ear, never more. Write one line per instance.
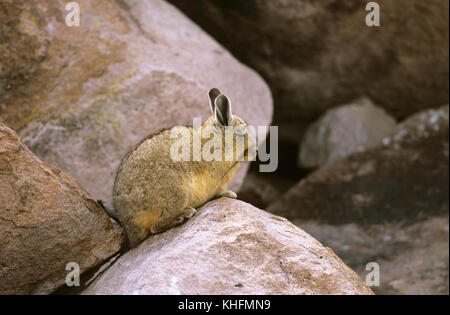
(213, 93)
(223, 110)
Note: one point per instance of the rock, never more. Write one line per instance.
(258, 191)
(397, 181)
(46, 221)
(319, 54)
(343, 130)
(387, 205)
(80, 97)
(421, 125)
(230, 247)
(413, 259)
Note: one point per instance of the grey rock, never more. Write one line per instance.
(340, 131)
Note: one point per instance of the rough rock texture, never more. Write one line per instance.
(343, 130)
(258, 191)
(230, 247)
(388, 205)
(413, 259)
(81, 96)
(317, 54)
(421, 125)
(46, 221)
(406, 178)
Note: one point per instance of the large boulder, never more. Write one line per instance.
(230, 247)
(46, 222)
(413, 259)
(388, 205)
(80, 97)
(404, 178)
(422, 125)
(317, 54)
(340, 131)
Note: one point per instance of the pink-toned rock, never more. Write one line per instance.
(230, 247)
(46, 221)
(80, 97)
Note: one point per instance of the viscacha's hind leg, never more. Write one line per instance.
(169, 222)
(165, 224)
(188, 213)
(135, 234)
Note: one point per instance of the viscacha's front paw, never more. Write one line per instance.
(229, 194)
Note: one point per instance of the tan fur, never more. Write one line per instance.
(152, 192)
(146, 219)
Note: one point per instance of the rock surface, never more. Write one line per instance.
(405, 179)
(387, 205)
(230, 247)
(421, 125)
(258, 191)
(413, 259)
(80, 97)
(46, 221)
(318, 54)
(343, 130)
